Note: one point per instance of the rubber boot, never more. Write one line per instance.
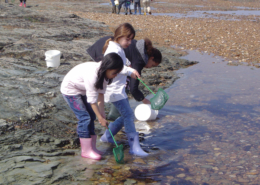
(144, 13)
(114, 9)
(94, 141)
(135, 12)
(106, 137)
(140, 11)
(87, 150)
(130, 11)
(135, 148)
(21, 4)
(113, 113)
(24, 5)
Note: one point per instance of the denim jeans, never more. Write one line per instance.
(127, 6)
(127, 116)
(139, 7)
(113, 2)
(84, 113)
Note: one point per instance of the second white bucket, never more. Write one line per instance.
(52, 58)
(144, 112)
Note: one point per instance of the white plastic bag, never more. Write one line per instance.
(116, 2)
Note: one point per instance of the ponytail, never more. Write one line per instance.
(148, 47)
(106, 45)
(152, 52)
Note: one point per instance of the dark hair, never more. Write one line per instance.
(157, 56)
(152, 52)
(110, 61)
(123, 30)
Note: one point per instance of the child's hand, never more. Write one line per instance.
(135, 74)
(103, 122)
(146, 101)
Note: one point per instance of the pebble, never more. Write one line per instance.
(181, 175)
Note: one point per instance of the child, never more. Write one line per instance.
(142, 54)
(81, 88)
(127, 6)
(23, 3)
(115, 93)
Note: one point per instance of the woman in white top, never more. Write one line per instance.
(116, 94)
(82, 87)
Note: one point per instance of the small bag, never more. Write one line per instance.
(116, 2)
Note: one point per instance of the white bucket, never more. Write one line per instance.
(52, 58)
(116, 2)
(144, 112)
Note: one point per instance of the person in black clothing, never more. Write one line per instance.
(141, 54)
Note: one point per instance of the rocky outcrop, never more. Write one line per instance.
(37, 129)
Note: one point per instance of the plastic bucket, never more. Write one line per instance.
(116, 2)
(144, 112)
(52, 58)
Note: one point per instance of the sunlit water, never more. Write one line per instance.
(210, 125)
(213, 14)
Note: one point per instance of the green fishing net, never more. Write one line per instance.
(159, 99)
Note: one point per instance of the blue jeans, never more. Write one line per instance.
(84, 113)
(139, 7)
(113, 2)
(127, 116)
(127, 6)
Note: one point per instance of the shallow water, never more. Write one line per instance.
(213, 14)
(210, 125)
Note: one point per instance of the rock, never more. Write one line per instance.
(181, 175)
(129, 181)
(139, 160)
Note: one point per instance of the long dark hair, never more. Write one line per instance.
(123, 30)
(110, 61)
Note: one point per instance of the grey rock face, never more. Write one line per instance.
(38, 141)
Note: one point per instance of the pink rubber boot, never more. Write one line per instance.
(21, 4)
(24, 5)
(94, 141)
(87, 150)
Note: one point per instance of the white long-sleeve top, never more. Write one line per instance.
(81, 80)
(116, 90)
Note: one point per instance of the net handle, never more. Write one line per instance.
(146, 86)
(112, 136)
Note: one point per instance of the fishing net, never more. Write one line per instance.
(159, 99)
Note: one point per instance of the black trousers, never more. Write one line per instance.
(24, 1)
(120, 5)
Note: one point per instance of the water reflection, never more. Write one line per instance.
(209, 126)
(213, 14)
